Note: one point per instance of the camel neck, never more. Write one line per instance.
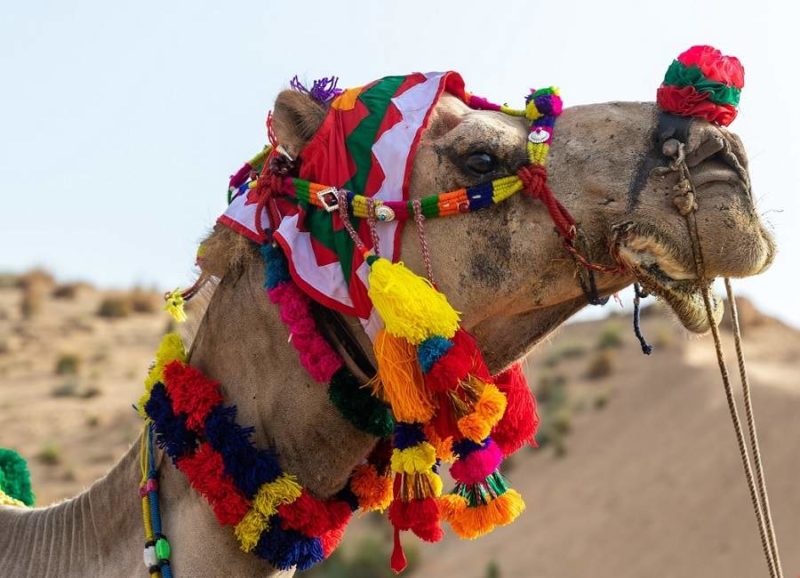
(93, 534)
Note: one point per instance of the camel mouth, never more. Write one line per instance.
(661, 273)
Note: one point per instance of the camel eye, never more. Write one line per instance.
(481, 163)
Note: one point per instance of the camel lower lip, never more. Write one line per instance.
(662, 276)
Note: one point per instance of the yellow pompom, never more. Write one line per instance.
(283, 490)
(531, 112)
(170, 349)
(174, 305)
(249, 529)
(485, 414)
(6, 500)
(474, 427)
(492, 404)
(419, 458)
(408, 304)
(401, 379)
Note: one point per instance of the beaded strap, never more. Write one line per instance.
(541, 109)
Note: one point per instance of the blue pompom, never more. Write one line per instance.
(285, 549)
(430, 350)
(462, 448)
(407, 435)
(277, 269)
(173, 436)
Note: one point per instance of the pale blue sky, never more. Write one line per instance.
(120, 122)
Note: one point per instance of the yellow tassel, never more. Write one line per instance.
(170, 349)
(419, 458)
(249, 529)
(174, 305)
(401, 379)
(408, 304)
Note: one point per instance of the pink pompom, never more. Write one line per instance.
(478, 465)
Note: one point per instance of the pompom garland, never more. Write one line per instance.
(318, 358)
(271, 514)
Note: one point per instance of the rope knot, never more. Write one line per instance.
(534, 180)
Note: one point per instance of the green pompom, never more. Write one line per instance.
(359, 406)
(15, 479)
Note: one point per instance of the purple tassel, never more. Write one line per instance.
(323, 90)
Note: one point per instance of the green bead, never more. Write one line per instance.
(162, 549)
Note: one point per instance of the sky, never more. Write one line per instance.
(121, 122)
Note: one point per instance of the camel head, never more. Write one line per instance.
(505, 268)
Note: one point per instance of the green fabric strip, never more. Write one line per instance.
(681, 75)
(360, 141)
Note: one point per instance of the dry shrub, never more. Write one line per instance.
(71, 291)
(67, 364)
(601, 365)
(142, 301)
(39, 278)
(32, 302)
(610, 337)
(114, 307)
(50, 455)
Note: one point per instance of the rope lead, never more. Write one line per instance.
(638, 294)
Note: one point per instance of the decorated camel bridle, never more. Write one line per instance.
(433, 400)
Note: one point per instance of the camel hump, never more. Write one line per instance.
(15, 480)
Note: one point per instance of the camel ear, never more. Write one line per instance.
(295, 119)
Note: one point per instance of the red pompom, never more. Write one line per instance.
(331, 539)
(191, 392)
(520, 421)
(687, 101)
(462, 359)
(424, 515)
(313, 517)
(398, 515)
(205, 472)
(714, 65)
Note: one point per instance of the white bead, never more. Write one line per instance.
(150, 559)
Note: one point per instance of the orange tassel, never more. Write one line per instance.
(401, 379)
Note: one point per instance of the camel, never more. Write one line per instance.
(504, 268)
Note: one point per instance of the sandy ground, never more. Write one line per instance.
(649, 481)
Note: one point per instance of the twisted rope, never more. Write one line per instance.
(686, 205)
